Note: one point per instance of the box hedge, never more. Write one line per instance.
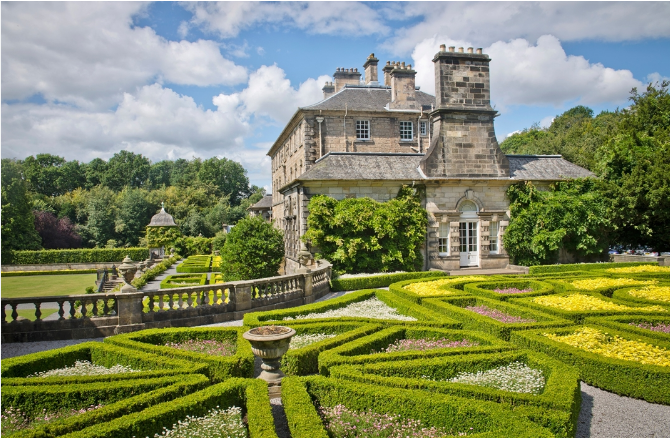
(375, 281)
(455, 308)
(369, 349)
(474, 418)
(304, 361)
(195, 264)
(15, 370)
(626, 378)
(625, 296)
(423, 315)
(487, 289)
(447, 289)
(152, 273)
(29, 273)
(249, 394)
(175, 281)
(218, 368)
(54, 256)
(559, 268)
(623, 323)
(183, 385)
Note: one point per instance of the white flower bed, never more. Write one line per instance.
(300, 341)
(516, 377)
(216, 424)
(370, 308)
(85, 368)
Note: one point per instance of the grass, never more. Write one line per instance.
(46, 285)
(30, 313)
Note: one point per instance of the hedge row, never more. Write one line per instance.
(76, 256)
(423, 315)
(457, 415)
(183, 385)
(445, 290)
(558, 268)
(29, 273)
(372, 282)
(627, 378)
(174, 281)
(249, 394)
(560, 399)
(622, 323)
(486, 289)
(152, 273)
(370, 349)
(303, 420)
(624, 295)
(195, 264)
(218, 368)
(455, 308)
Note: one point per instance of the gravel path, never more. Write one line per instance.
(602, 415)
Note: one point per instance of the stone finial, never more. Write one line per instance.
(127, 271)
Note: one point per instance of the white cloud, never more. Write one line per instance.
(656, 78)
(547, 121)
(229, 18)
(484, 23)
(540, 74)
(88, 53)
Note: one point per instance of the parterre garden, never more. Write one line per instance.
(497, 356)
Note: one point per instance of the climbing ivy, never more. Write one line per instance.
(366, 236)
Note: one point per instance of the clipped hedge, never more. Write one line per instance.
(486, 289)
(372, 282)
(556, 407)
(219, 368)
(29, 273)
(304, 361)
(624, 295)
(626, 378)
(423, 315)
(152, 273)
(579, 316)
(249, 394)
(15, 370)
(368, 349)
(559, 268)
(303, 420)
(195, 264)
(183, 385)
(622, 323)
(174, 281)
(457, 415)
(53, 256)
(455, 308)
(444, 290)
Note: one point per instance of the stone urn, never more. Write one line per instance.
(270, 343)
(127, 271)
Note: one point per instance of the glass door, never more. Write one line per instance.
(469, 242)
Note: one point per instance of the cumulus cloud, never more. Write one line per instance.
(523, 73)
(87, 54)
(484, 23)
(229, 18)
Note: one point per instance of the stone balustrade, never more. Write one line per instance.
(100, 315)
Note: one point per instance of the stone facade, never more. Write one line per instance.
(368, 139)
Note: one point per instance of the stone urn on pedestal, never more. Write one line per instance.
(127, 271)
(270, 343)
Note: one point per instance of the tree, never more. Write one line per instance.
(160, 173)
(99, 227)
(572, 216)
(253, 249)
(56, 233)
(18, 221)
(51, 175)
(126, 169)
(95, 172)
(133, 215)
(228, 176)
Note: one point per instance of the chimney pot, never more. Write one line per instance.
(460, 50)
(469, 50)
(452, 48)
(409, 66)
(388, 63)
(443, 48)
(356, 69)
(402, 64)
(479, 50)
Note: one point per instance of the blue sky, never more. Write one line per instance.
(170, 80)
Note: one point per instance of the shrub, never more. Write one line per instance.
(187, 246)
(560, 268)
(488, 289)
(29, 273)
(173, 281)
(254, 249)
(162, 236)
(362, 235)
(195, 264)
(76, 256)
(154, 272)
(373, 282)
(622, 323)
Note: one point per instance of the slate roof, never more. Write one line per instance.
(162, 219)
(527, 167)
(395, 166)
(264, 203)
(365, 99)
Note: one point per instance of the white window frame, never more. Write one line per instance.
(406, 128)
(494, 238)
(363, 130)
(423, 128)
(443, 240)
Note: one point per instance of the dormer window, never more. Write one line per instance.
(363, 130)
(406, 131)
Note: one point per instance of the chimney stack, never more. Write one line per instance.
(403, 87)
(344, 76)
(328, 90)
(370, 67)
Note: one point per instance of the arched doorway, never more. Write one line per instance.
(468, 232)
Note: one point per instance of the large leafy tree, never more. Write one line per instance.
(228, 176)
(18, 221)
(253, 249)
(51, 175)
(134, 214)
(56, 233)
(126, 169)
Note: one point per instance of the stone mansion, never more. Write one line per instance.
(368, 138)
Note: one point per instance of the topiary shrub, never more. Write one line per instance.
(254, 249)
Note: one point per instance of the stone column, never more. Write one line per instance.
(243, 295)
(129, 307)
(307, 287)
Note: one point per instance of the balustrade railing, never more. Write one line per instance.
(67, 307)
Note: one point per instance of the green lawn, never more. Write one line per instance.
(30, 314)
(46, 285)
